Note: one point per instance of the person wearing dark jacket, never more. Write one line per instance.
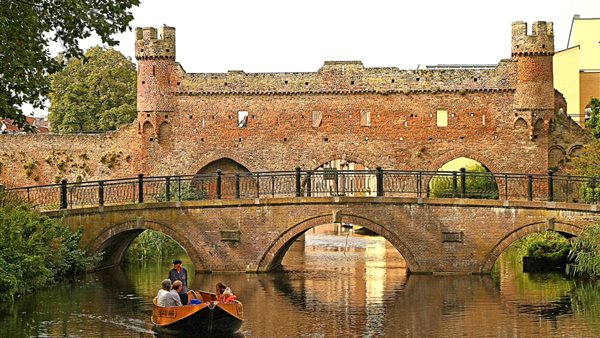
(180, 273)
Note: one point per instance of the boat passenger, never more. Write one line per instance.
(166, 297)
(228, 296)
(224, 294)
(180, 273)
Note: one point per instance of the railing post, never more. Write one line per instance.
(257, 185)
(550, 185)
(237, 185)
(463, 182)
(379, 178)
(593, 186)
(140, 188)
(63, 193)
(298, 182)
(419, 184)
(101, 193)
(530, 187)
(179, 188)
(219, 179)
(308, 183)
(506, 186)
(168, 188)
(454, 184)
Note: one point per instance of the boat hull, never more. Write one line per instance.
(207, 319)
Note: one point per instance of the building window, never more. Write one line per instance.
(242, 118)
(365, 118)
(317, 119)
(442, 118)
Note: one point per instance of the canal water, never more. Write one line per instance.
(334, 284)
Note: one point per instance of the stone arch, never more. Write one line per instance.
(538, 127)
(520, 124)
(147, 130)
(566, 229)
(225, 164)
(277, 249)
(118, 237)
(212, 158)
(164, 133)
(575, 150)
(444, 187)
(556, 156)
(321, 158)
(486, 159)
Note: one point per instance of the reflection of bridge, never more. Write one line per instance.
(246, 222)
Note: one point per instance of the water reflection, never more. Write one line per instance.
(333, 284)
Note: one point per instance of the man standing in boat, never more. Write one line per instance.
(180, 273)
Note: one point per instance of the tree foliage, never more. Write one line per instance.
(94, 93)
(35, 250)
(594, 123)
(153, 245)
(585, 252)
(479, 183)
(28, 28)
(588, 164)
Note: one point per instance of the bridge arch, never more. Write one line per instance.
(566, 229)
(273, 257)
(115, 239)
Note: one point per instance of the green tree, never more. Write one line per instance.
(28, 28)
(588, 164)
(93, 93)
(479, 183)
(594, 122)
(153, 245)
(35, 250)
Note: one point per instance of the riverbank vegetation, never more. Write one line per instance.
(153, 245)
(35, 250)
(585, 254)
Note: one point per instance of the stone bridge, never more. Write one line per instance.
(433, 235)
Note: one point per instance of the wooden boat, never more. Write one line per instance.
(206, 319)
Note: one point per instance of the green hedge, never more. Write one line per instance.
(36, 250)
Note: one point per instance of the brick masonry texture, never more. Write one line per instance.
(504, 117)
(268, 226)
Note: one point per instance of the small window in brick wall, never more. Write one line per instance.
(365, 118)
(442, 118)
(317, 119)
(242, 118)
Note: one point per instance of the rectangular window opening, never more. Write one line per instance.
(242, 118)
(317, 119)
(442, 118)
(365, 118)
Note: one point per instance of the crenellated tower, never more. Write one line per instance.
(534, 97)
(533, 53)
(156, 78)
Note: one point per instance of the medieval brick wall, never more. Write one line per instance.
(500, 116)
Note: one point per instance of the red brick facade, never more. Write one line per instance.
(501, 117)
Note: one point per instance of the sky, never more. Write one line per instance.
(297, 36)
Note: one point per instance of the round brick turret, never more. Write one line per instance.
(156, 65)
(533, 53)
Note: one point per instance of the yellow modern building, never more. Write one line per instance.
(577, 68)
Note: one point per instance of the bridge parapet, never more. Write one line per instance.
(320, 183)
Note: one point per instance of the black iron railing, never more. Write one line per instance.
(318, 183)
